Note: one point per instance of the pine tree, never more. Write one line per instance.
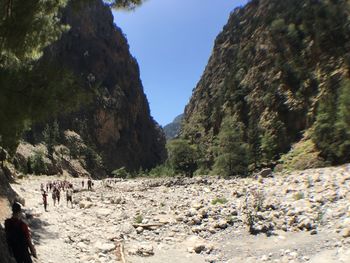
(253, 134)
(342, 124)
(232, 151)
(323, 134)
(273, 136)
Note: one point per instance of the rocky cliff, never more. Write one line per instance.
(270, 67)
(172, 129)
(114, 117)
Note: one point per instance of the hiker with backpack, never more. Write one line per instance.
(18, 236)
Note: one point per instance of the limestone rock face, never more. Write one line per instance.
(115, 121)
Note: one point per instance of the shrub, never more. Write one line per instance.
(161, 170)
(254, 200)
(299, 196)
(120, 173)
(138, 219)
(219, 200)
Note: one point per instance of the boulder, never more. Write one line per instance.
(265, 173)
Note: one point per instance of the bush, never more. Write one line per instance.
(219, 200)
(121, 173)
(254, 201)
(138, 219)
(202, 171)
(161, 170)
(299, 196)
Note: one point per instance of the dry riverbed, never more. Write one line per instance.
(296, 217)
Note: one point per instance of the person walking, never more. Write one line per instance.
(89, 183)
(18, 236)
(58, 195)
(45, 200)
(54, 197)
(69, 195)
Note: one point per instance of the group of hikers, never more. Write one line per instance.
(17, 231)
(56, 187)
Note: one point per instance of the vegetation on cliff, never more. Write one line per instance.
(278, 69)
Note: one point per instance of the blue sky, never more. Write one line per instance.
(172, 41)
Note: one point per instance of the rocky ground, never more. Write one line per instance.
(295, 217)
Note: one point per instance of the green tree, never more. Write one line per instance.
(37, 164)
(273, 136)
(182, 156)
(253, 136)
(342, 124)
(232, 151)
(323, 134)
(331, 131)
(51, 135)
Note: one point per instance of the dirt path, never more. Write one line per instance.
(48, 227)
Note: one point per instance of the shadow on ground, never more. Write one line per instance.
(39, 229)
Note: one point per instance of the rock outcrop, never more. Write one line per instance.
(172, 130)
(114, 118)
(271, 65)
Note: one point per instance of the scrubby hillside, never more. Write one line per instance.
(278, 68)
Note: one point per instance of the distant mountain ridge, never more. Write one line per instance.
(172, 130)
